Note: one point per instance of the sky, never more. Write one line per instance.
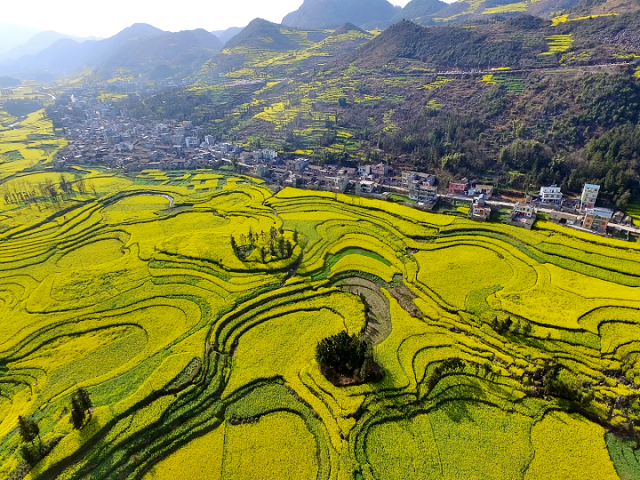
(106, 18)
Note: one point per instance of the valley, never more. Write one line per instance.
(368, 243)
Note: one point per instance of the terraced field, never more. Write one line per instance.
(201, 364)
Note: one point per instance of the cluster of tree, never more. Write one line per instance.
(272, 245)
(561, 383)
(29, 430)
(47, 191)
(348, 356)
(446, 367)
(509, 326)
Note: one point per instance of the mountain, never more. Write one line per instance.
(228, 34)
(140, 49)
(37, 43)
(348, 27)
(321, 14)
(418, 9)
(264, 35)
(181, 50)
(12, 35)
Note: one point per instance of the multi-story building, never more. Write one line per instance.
(597, 219)
(381, 169)
(552, 194)
(422, 192)
(364, 170)
(589, 196)
(192, 142)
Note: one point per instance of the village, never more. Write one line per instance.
(102, 134)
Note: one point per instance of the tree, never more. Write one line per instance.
(28, 455)
(77, 414)
(29, 429)
(234, 245)
(295, 236)
(263, 254)
(81, 404)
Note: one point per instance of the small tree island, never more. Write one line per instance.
(347, 360)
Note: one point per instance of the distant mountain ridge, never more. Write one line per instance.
(139, 48)
(39, 42)
(321, 14)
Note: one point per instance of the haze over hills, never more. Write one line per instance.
(37, 43)
(12, 35)
(319, 14)
(139, 48)
(228, 34)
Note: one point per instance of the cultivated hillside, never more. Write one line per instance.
(262, 34)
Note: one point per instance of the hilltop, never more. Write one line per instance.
(262, 34)
(320, 14)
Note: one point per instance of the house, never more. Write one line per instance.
(479, 210)
(597, 219)
(381, 169)
(209, 140)
(422, 192)
(192, 142)
(459, 187)
(425, 178)
(486, 190)
(552, 194)
(522, 215)
(365, 186)
(340, 184)
(364, 170)
(269, 155)
(589, 196)
(523, 210)
(300, 164)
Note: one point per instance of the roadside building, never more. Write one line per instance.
(486, 190)
(522, 215)
(479, 210)
(422, 192)
(459, 187)
(597, 219)
(589, 196)
(365, 186)
(552, 194)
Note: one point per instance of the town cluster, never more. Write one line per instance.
(102, 134)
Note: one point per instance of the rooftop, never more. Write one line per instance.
(600, 212)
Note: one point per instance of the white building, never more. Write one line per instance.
(209, 140)
(192, 142)
(552, 194)
(364, 170)
(589, 196)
